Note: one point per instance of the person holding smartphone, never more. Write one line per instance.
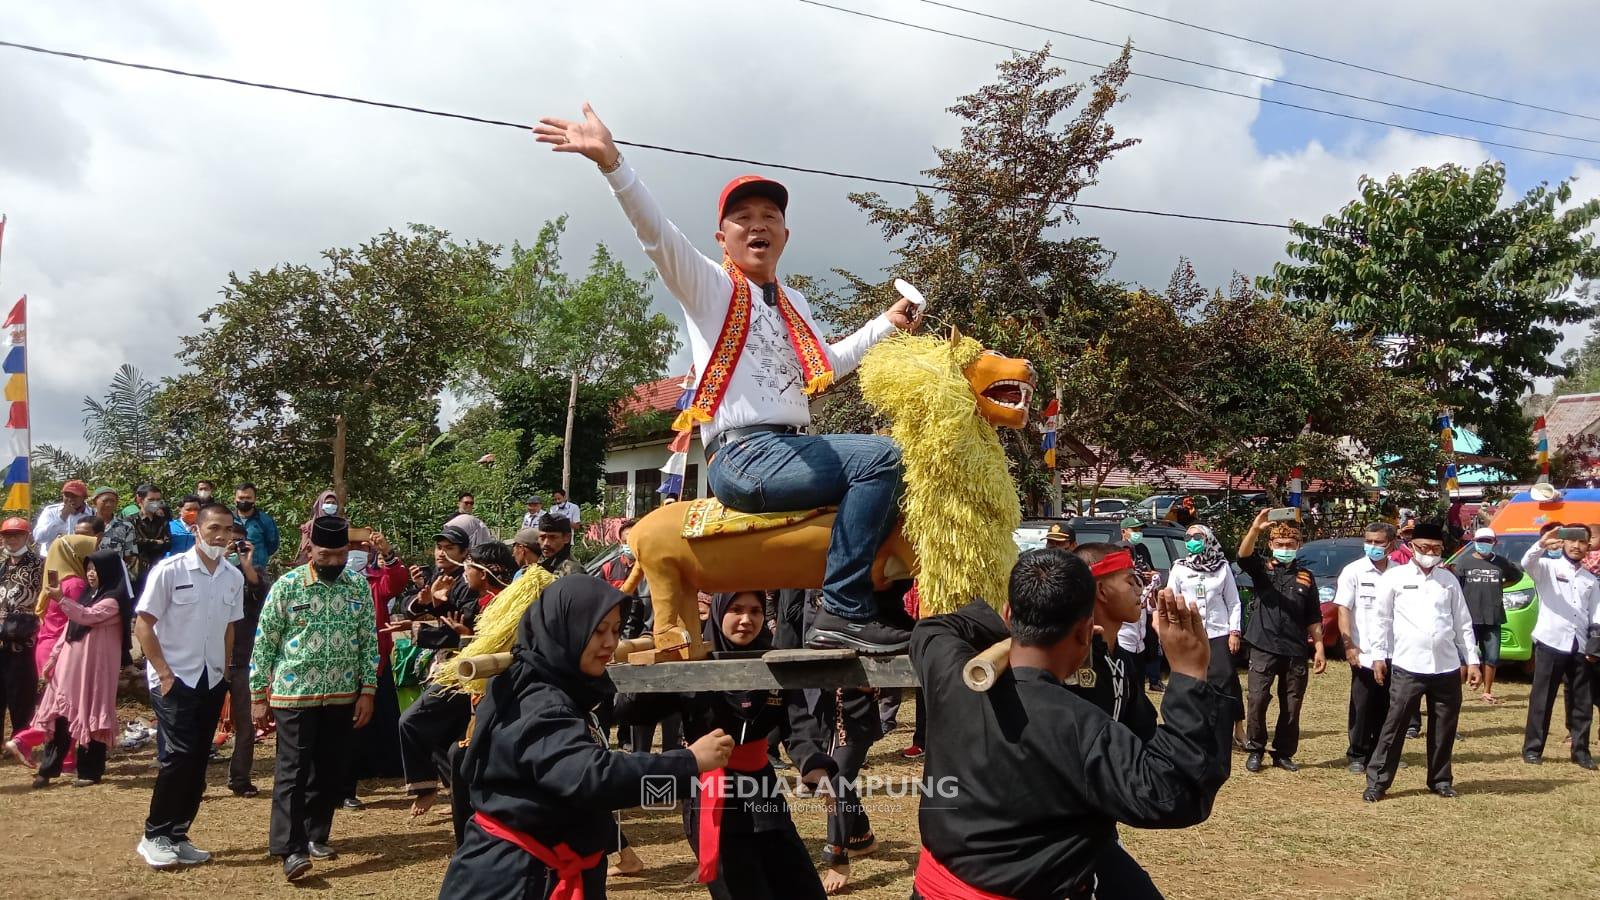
(1568, 596)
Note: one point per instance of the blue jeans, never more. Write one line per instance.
(859, 474)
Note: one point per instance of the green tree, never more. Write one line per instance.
(120, 431)
(1583, 368)
(539, 407)
(1459, 291)
(373, 335)
(597, 331)
(991, 249)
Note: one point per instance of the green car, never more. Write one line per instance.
(1520, 600)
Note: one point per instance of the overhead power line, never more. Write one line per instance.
(1202, 87)
(1346, 63)
(1267, 78)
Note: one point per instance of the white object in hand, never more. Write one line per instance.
(909, 292)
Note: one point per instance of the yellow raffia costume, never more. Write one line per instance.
(496, 628)
(960, 504)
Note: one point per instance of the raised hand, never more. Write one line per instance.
(589, 137)
(1183, 635)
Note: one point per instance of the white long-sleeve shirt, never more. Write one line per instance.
(1358, 592)
(1213, 593)
(766, 387)
(52, 524)
(1568, 597)
(1423, 623)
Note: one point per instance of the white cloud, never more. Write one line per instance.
(132, 195)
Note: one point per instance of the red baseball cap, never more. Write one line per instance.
(15, 524)
(75, 487)
(752, 186)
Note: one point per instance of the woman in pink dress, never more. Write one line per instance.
(64, 565)
(79, 706)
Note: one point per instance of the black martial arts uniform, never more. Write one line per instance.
(542, 784)
(1284, 605)
(438, 718)
(1050, 832)
(1116, 687)
(759, 855)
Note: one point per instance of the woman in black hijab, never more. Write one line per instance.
(748, 849)
(539, 776)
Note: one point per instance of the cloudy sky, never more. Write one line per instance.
(132, 195)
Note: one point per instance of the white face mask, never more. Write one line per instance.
(357, 561)
(212, 552)
(330, 509)
(17, 551)
(1424, 560)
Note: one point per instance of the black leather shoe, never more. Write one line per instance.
(1445, 791)
(1372, 795)
(295, 866)
(1532, 758)
(1285, 763)
(245, 790)
(1413, 733)
(874, 638)
(1585, 761)
(1252, 763)
(352, 803)
(1357, 767)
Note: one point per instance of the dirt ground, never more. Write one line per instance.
(1516, 830)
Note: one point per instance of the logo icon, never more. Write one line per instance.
(658, 792)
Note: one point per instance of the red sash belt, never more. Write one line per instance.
(563, 860)
(751, 757)
(934, 882)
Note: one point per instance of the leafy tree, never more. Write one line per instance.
(596, 331)
(1459, 291)
(1281, 391)
(539, 408)
(120, 431)
(1583, 368)
(991, 251)
(373, 335)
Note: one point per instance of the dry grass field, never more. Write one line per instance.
(1516, 831)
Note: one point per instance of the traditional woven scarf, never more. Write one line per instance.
(813, 357)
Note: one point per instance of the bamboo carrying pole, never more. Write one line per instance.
(472, 668)
(982, 671)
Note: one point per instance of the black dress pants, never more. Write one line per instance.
(187, 719)
(244, 727)
(1550, 668)
(19, 688)
(1291, 674)
(1406, 691)
(437, 720)
(308, 785)
(1369, 707)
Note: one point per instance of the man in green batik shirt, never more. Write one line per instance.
(316, 657)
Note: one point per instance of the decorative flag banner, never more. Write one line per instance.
(18, 447)
(1542, 444)
(1052, 421)
(672, 472)
(1296, 486)
(1447, 443)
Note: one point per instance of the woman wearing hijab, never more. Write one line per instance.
(1205, 581)
(327, 504)
(747, 848)
(542, 783)
(64, 566)
(79, 706)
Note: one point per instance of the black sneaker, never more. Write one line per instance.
(295, 866)
(874, 638)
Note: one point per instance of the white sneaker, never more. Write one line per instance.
(189, 854)
(158, 852)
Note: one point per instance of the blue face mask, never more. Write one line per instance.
(1553, 554)
(1194, 545)
(1285, 556)
(357, 561)
(330, 509)
(1484, 548)
(1135, 537)
(1375, 553)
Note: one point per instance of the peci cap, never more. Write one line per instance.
(1428, 531)
(330, 532)
(752, 186)
(1485, 534)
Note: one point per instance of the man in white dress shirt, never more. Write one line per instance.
(1568, 595)
(1357, 599)
(1422, 642)
(756, 345)
(561, 506)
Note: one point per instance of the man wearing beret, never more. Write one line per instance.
(1285, 612)
(315, 671)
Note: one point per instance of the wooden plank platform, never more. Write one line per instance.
(774, 669)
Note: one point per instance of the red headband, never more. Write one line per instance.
(1113, 563)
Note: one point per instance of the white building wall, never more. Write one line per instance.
(632, 458)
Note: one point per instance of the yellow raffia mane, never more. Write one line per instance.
(960, 503)
(496, 628)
